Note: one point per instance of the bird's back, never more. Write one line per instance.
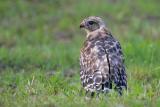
(101, 62)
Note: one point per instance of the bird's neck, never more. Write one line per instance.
(102, 30)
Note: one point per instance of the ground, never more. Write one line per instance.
(39, 51)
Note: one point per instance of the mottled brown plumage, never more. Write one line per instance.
(101, 59)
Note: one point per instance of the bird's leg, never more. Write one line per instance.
(119, 90)
(97, 96)
(86, 95)
(92, 94)
(86, 92)
(89, 95)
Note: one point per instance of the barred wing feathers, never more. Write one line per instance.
(101, 63)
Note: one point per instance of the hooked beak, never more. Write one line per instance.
(82, 25)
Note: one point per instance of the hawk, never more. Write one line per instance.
(101, 59)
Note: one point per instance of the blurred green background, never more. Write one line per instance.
(40, 42)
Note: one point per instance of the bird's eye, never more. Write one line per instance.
(91, 22)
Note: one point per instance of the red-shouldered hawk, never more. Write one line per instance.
(101, 59)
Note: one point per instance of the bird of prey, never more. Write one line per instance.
(101, 59)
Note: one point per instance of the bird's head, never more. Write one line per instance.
(92, 24)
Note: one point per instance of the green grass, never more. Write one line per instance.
(39, 51)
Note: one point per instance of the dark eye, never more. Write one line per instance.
(91, 22)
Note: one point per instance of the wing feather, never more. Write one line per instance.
(102, 63)
(116, 62)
